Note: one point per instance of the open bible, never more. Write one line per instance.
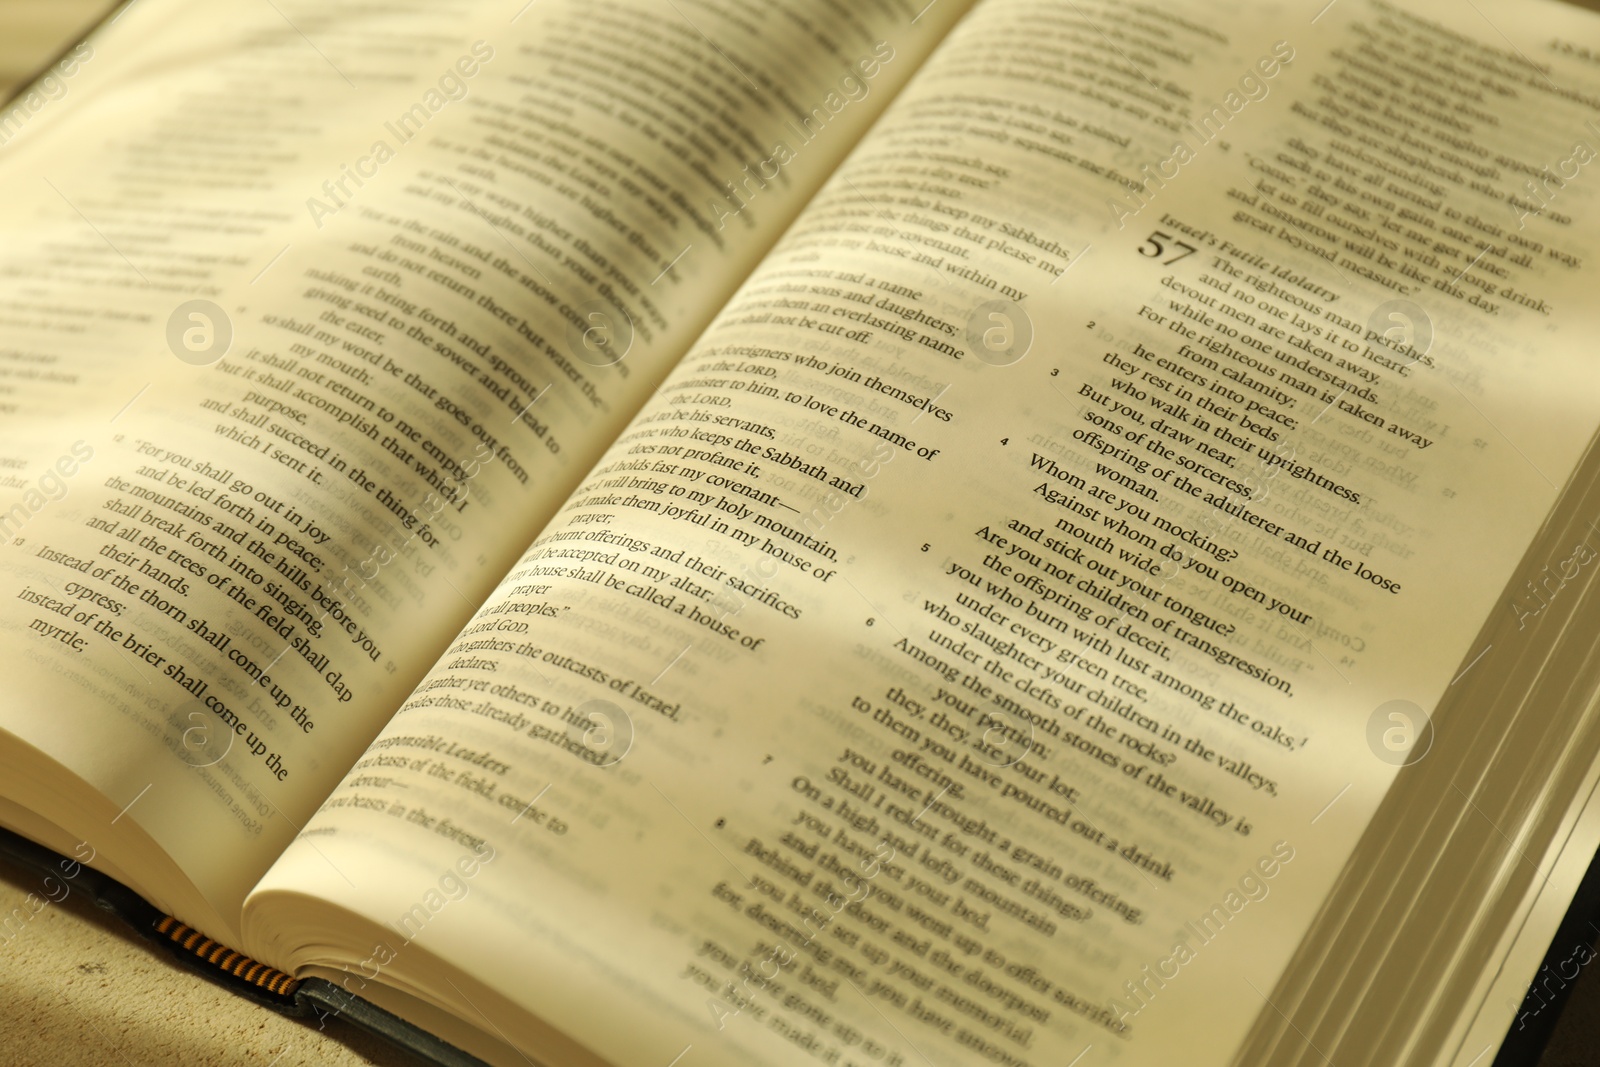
(966, 533)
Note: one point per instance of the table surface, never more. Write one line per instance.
(78, 987)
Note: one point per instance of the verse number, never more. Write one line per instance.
(1155, 246)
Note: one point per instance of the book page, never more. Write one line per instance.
(312, 320)
(991, 641)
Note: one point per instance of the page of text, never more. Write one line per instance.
(312, 322)
(986, 647)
